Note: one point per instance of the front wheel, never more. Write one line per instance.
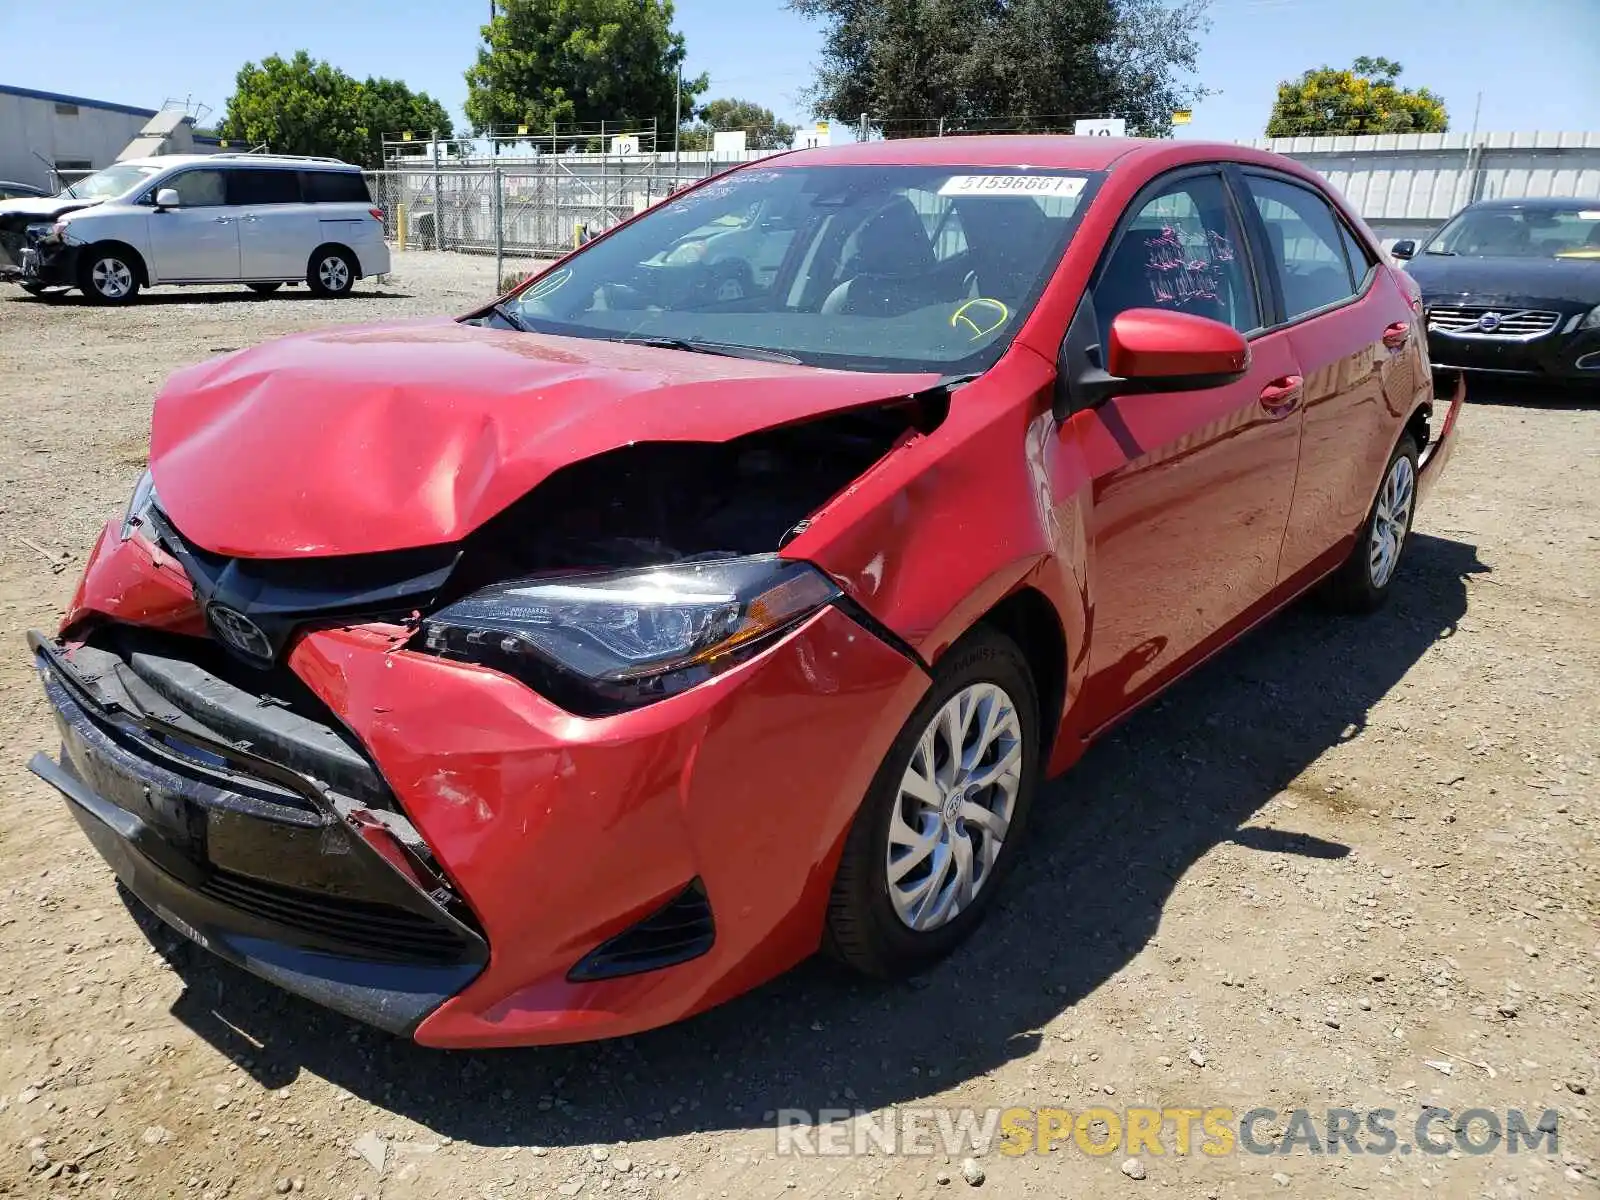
(1363, 582)
(331, 273)
(941, 823)
(107, 276)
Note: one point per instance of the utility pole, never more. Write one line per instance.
(677, 124)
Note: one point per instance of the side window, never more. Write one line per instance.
(334, 187)
(262, 186)
(1307, 245)
(1355, 250)
(1180, 252)
(198, 189)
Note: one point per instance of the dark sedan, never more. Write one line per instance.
(17, 191)
(1513, 287)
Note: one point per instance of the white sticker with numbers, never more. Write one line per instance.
(1013, 185)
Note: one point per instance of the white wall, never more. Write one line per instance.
(31, 127)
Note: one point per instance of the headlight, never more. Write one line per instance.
(600, 642)
(43, 231)
(1592, 320)
(144, 499)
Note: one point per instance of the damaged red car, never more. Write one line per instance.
(726, 592)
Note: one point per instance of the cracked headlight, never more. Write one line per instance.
(139, 506)
(607, 641)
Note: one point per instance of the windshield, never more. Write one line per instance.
(873, 268)
(112, 181)
(1522, 233)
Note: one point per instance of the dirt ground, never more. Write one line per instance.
(1350, 863)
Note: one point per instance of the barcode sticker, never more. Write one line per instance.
(1013, 185)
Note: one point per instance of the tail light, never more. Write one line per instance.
(377, 213)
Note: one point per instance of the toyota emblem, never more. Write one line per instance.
(239, 632)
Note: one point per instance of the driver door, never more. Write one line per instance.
(1191, 489)
(198, 240)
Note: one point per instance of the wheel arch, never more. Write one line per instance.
(342, 248)
(135, 259)
(1029, 619)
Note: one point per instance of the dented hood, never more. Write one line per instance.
(352, 441)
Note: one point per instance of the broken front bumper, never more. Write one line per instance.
(252, 860)
(564, 845)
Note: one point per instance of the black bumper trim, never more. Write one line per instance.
(309, 906)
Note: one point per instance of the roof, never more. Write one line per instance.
(989, 150)
(80, 101)
(239, 158)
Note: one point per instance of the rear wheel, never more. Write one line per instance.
(107, 275)
(940, 826)
(332, 272)
(263, 289)
(1363, 582)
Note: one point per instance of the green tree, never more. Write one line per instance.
(302, 105)
(999, 64)
(1364, 99)
(764, 131)
(548, 62)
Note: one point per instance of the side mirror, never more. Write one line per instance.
(1403, 250)
(168, 198)
(1145, 350)
(1163, 351)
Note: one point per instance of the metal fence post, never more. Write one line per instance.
(438, 197)
(499, 229)
(605, 183)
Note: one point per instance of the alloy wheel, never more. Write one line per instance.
(956, 800)
(1391, 519)
(334, 273)
(111, 277)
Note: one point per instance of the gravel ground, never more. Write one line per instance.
(1349, 863)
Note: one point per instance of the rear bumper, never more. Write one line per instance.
(264, 873)
(1437, 454)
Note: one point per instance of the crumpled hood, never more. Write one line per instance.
(33, 209)
(352, 441)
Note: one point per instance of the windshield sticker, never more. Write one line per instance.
(1013, 185)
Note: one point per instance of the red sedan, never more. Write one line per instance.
(727, 591)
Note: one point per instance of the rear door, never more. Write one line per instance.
(277, 230)
(1191, 489)
(198, 240)
(1351, 331)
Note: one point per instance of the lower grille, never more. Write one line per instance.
(678, 931)
(377, 931)
(1482, 321)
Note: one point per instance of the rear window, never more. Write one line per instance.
(334, 187)
(257, 185)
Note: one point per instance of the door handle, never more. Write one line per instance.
(222, 220)
(1282, 396)
(1395, 335)
(247, 218)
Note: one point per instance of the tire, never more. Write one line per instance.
(263, 289)
(331, 272)
(1365, 579)
(108, 274)
(867, 928)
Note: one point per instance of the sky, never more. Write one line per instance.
(1536, 63)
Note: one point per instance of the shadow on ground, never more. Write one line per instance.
(1107, 845)
(1534, 393)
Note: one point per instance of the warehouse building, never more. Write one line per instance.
(45, 136)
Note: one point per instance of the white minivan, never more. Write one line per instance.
(261, 220)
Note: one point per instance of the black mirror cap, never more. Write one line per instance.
(1403, 249)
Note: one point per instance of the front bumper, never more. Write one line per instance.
(48, 264)
(251, 860)
(557, 833)
(1566, 357)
